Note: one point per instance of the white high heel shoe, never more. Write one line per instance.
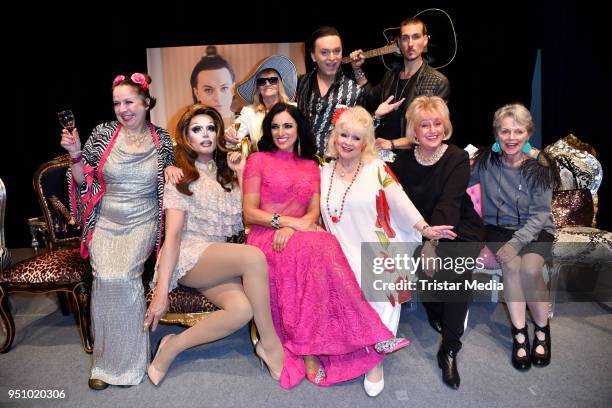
(373, 388)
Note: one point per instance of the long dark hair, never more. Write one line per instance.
(304, 147)
(186, 156)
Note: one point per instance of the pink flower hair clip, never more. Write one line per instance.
(337, 113)
(139, 78)
(118, 79)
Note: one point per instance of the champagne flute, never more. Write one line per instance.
(235, 123)
(66, 119)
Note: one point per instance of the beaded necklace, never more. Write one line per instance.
(336, 218)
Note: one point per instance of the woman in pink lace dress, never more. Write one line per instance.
(329, 332)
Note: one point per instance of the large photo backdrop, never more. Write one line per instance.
(172, 68)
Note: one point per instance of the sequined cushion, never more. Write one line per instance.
(582, 244)
(578, 168)
(572, 208)
(186, 300)
(64, 265)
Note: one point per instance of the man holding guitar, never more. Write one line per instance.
(399, 87)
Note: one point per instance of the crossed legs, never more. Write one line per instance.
(217, 275)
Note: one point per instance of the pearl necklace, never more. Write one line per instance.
(431, 160)
(338, 215)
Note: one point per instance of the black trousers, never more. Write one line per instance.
(449, 307)
(452, 317)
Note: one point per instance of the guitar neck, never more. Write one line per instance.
(387, 49)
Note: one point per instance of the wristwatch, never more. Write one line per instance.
(275, 223)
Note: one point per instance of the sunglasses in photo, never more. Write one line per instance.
(266, 80)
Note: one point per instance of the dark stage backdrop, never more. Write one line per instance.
(73, 57)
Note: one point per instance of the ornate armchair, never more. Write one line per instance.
(60, 269)
(5, 256)
(574, 206)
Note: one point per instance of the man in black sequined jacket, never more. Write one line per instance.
(323, 91)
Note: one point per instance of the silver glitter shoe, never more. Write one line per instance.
(391, 345)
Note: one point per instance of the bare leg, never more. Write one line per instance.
(536, 291)
(217, 275)
(514, 291)
(312, 365)
(376, 373)
(235, 312)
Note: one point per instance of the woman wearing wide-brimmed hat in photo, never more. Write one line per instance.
(273, 81)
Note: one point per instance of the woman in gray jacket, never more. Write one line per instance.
(517, 192)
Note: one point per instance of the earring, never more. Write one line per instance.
(496, 148)
(527, 147)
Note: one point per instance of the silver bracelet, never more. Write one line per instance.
(358, 73)
(275, 223)
(375, 122)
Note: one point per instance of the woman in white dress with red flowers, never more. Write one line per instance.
(361, 201)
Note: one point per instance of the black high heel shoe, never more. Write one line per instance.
(541, 360)
(447, 361)
(435, 324)
(524, 362)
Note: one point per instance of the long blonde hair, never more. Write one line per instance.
(257, 98)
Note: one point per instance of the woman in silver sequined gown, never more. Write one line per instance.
(119, 176)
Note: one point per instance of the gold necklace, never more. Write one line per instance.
(136, 139)
(431, 160)
(211, 166)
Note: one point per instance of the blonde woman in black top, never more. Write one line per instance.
(435, 176)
